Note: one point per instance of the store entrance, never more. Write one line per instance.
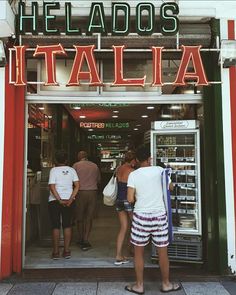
(106, 132)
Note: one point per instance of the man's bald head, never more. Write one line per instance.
(82, 155)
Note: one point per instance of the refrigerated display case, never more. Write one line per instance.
(176, 145)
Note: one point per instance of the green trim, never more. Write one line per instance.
(214, 192)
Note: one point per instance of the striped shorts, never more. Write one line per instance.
(149, 225)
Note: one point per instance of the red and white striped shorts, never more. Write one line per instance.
(149, 225)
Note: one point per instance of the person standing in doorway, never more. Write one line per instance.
(123, 207)
(149, 220)
(64, 186)
(89, 176)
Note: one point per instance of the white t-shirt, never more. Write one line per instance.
(63, 177)
(147, 182)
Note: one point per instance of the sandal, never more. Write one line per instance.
(174, 287)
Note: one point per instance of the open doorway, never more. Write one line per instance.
(106, 131)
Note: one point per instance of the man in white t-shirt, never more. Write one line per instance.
(149, 220)
(64, 186)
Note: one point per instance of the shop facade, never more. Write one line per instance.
(28, 80)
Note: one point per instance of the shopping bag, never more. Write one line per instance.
(110, 192)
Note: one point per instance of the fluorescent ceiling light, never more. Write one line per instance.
(166, 116)
(175, 107)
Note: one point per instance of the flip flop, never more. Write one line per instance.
(131, 290)
(175, 287)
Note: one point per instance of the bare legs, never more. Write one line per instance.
(67, 239)
(124, 218)
(164, 266)
(139, 268)
(56, 238)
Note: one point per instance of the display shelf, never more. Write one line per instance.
(176, 145)
(185, 160)
(181, 163)
(184, 211)
(180, 152)
(189, 198)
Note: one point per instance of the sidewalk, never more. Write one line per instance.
(225, 287)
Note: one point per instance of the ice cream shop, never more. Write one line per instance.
(106, 77)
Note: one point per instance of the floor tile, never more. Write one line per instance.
(230, 286)
(115, 288)
(4, 288)
(205, 288)
(75, 289)
(32, 289)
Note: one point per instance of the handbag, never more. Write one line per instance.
(110, 192)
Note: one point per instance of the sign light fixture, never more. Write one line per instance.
(228, 53)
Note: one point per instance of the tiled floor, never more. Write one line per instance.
(103, 240)
(113, 288)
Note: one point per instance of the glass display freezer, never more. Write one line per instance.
(176, 145)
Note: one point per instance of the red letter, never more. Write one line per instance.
(49, 52)
(191, 52)
(84, 52)
(118, 69)
(156, 64)
(20, 65)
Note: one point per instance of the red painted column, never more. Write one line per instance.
(232, 75)
(19, 128)
(8, 179)
(12, 205)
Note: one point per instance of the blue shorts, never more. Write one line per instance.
(124, 205)
(58, 212)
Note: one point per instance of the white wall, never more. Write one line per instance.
(229, 177)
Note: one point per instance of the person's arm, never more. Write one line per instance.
(171, 186)
(131, 195)
(53, 190)
(74, 193)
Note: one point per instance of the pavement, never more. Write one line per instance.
(213, 287)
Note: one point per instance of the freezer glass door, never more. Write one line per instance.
(180, 151)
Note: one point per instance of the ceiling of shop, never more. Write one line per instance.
(124, 112)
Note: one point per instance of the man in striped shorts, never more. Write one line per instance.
(149, 220)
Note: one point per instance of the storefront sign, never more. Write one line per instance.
(99, 125)
(85, 55)
(186, 124)
(97, 22)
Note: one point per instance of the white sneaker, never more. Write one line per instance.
(122, 261)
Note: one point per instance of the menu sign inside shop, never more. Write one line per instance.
(104, 137)
(101, 125)
(97, 21)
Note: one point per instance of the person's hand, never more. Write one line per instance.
(63, 202)
(69, 202)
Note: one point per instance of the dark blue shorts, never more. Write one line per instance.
(58, 212)
(124, 206)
